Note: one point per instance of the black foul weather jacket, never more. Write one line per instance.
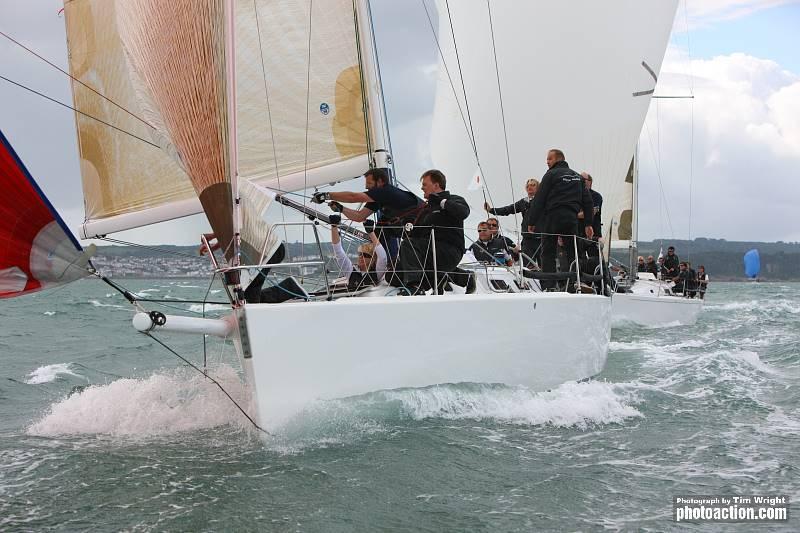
(561, 189)
(448, 219)
(519, 207)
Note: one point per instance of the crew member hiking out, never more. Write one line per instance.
(561, 195)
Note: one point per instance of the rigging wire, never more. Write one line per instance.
(660, 182)
(78, 111)
(467, 126)
(269, 115)
(461, 75)
(130, 297)
(214, 381)
(308, 118)
(449, 77)
(146, 247)
(387, 129)
(362, 84)
(502, 113)
(691, 138)
(76, 80)
(205, 353)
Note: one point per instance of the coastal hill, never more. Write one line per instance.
(780, 261)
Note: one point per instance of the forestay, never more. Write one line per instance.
(568, 74)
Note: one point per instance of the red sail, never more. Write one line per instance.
(36, 249)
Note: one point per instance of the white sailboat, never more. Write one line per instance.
(220, 106)
(642, 298)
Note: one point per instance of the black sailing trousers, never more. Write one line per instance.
(562, 222)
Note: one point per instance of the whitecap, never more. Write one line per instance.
(98, 304)
(734, 305)
(48, 373)
(198, 308)
(569, 405)
(164, 403)
(49, 313)
(753, 360)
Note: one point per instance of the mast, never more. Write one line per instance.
(373, 91)
(634, 243)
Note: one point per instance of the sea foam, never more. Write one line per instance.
(164, 403)
(570, 405)
(48, 373)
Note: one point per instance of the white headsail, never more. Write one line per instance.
(300, 112)
(574, 75)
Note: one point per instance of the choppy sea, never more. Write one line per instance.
(101, 429)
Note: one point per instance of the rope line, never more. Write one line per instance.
(663, 196)
(76, 80)
(502, 114)
(214, 381)
(79, 111)
(153, 248)
(449, 77)
(461, 75)
(269, 114)
(308, 117)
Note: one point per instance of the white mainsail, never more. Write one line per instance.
(300, 106)
(300, 113)
(568, 74)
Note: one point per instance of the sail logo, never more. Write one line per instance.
(324, 108)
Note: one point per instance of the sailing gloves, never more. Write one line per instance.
(320, 197)
(336, 207)
(335, 220)
(369, 225)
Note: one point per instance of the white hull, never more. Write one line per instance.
(650, 305)
(296, 353)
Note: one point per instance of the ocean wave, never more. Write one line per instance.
(96, 303)
(198, 308)
(570, 405)
(165, 403)
(49, 313)
(48, 373)
(648, 346)
(734, 305)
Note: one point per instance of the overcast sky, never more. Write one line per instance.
(730, 157)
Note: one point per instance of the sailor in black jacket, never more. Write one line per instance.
(561, 195)
(530, 243)
(445, 213)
